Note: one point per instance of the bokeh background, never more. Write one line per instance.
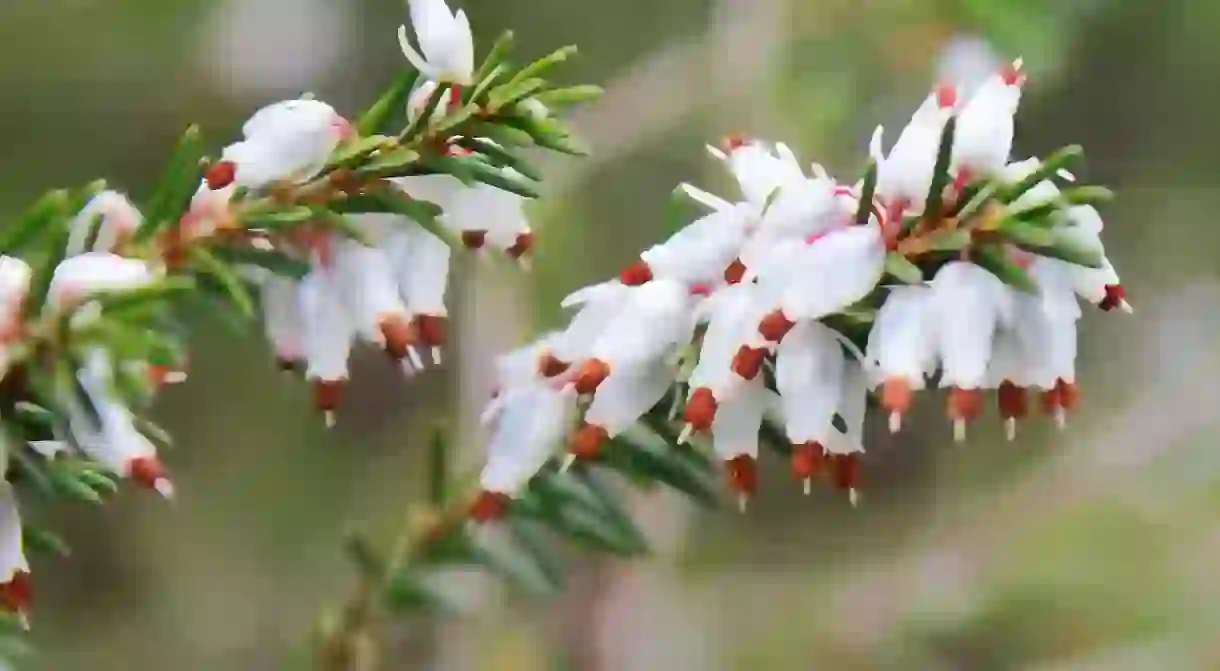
(1098, 548)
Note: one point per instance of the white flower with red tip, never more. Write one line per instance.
(618, 403)
(809, 370)
(289, 142)
(699, 253)
(902, 344)
(108, 435)
(15, 593)
(983, 136)
(114, 218)
(367, 279)
(904, 175)
(968, 304)
(445, 42)
(486, 213)
(326, 337)
(733, 312)
(282, 320)
(735, 436)
(597, 306)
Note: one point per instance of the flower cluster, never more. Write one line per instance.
(795, 301)
(340, 230)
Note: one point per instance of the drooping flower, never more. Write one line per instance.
(288, 142)
(809, 370)
(735, 436)
(444, 38)
(326, 337)
(115, 219)
(904, 176)
(983, 137)
(15, 592)
(902, 343)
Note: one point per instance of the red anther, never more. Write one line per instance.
(965, 404)
(845, 470)
(220, 175)
(586, 442)
(636, 274)
(775, 326)
(489, 506)
(735, 272)
(946, 96)
(1115, 295)
(742, 471)
(748, 361)
(146, 471)
(524, 245)
(1012, 400)
(157, 374)
(700, 290)
(1052, 400)
(1069, 394)
(549, 366)
(591, 375)
(455, 98)
(962, 179)
(431, 329)
(1012, 75)
(474, 239)
(17, 594)
(700, 410)
(896, 395)
(398, 335)
(734, 141)
(327, 394)
(808, 459)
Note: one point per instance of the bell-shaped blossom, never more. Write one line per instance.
(735, 436)
(367, 279)
(809, 370)
(497, 214)
(445, 42)
(597, 306)
(758, 168)
(827, 276)
(733, 312)
(618, 403)
(422, 267)
(652, 322)
(699, 253)
(902, 344)
(115, 218)
(15, 592)
(968, 304)
(844, 448)
(904, 176)
(109, 435)
(77, 277)
(282, 320)
(983, 136)
(289, 141)
(326, 337)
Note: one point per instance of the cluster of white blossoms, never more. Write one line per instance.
(735, 312)
(387, 288)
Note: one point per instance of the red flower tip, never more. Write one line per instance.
(1013, 401)
(1012, 74)
(591, 375)
(149, 472)
(474, 239)
(700, 410)
(524, 245)
(636, 274)
(1069, 394)
(1115, 296)
(748, 361)
(775, 326)
(549, 366)
(845, 469)
(965, 404)
(946, 96)
(735, 272)
(17, 594)
(220, 175)
(742, 473)
(431, 329)
(327, 394)
(808, 459)
(587, 441)
(398, 335)
(734, 141)
(489, 506)
(896, 395)
(700, 290)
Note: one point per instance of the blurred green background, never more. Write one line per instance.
(1094, 549)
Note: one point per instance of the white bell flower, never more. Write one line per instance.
(115, 217)
(444, 38)
(984, 131)
(902, 343)
(15, 591)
